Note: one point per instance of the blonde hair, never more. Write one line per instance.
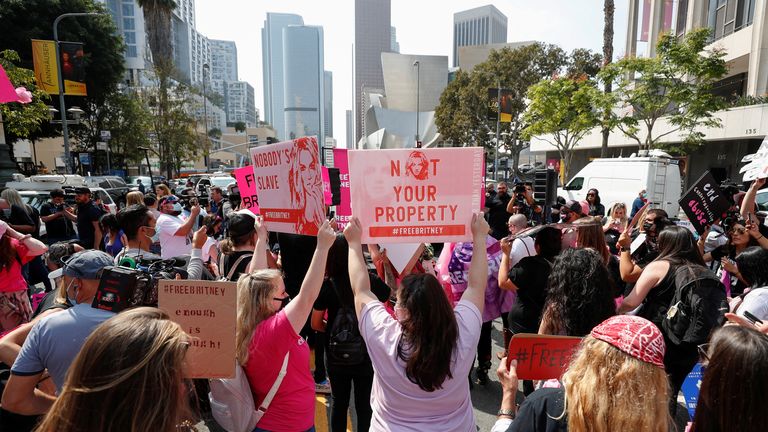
(166, 190)
(616, 206)
(128, 376)
(590, 235)
(254, 295)
(607, 390)
(134, 197)
(13, 198)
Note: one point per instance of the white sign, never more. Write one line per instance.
(105, 135)
(101, 145)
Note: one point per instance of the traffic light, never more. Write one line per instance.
(545, 186)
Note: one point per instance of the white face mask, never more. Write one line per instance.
(72, 299)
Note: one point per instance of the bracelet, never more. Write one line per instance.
(507, 413)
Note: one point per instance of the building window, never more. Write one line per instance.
(726, 17)
(130, 37)
(127, 9)
(129, 24)
(130, 51)
(682, 18)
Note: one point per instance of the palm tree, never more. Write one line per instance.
(157, 18)
(608, 9)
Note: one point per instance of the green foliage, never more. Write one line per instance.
(240, 126)
(565, 109)
(214, 133)
(675, 85)
(22, 121)
(157, 18)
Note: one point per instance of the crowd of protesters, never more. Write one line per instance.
(407, 344)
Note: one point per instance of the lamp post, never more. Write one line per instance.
(149, 167)
(205, 120)
(62, 105)
(418, 83)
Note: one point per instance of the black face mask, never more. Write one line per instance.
(283, 301)
(647, 226)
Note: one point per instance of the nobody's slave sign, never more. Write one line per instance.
(415, 195)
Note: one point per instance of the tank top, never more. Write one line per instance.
(659, 297)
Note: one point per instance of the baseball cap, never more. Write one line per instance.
(574, 206)
(633, 335)
(87, 264)
(169, 199)
(240, 224)
(82, 190)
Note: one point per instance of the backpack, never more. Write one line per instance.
(232, 404)
(233, 269)
(698, 305)
(346, 346)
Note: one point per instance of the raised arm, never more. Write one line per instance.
(299, 308)
(748, 203)
(478, 267)
(259, 259)
(358, 272)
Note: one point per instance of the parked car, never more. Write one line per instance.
(115, 186)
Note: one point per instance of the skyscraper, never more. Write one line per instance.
(372, 37)
(304, 82)
(394, 45)
(350, 130)
(272, 63)
(129, 20)
(328, 103)
(479, 26)
(223, 60)
(241, 103)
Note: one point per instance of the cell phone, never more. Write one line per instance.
(331, 214)
(752, 318)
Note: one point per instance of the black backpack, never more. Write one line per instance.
(346, 346)
(697, 307)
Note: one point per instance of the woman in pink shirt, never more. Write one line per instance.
(423, 358)
(268, 325)
(15, 250)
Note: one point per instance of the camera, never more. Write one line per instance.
(134, 283)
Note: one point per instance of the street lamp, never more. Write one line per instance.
(418, 82)
(62, 106)
(149, 167)
(206, 68)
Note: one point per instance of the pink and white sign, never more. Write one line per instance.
(344, 209)
(289, 181)
(416, 195)
(246, 182)
(327, 194)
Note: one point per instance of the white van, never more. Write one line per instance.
(621, 179)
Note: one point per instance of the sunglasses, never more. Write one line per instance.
(738, 231)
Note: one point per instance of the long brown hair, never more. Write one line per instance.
(127, 377)
(732, 396)
(607, 390)
(254, 295)
(676, 245)
(430, 332)
(590, 235)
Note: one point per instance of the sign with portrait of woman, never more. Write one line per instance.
(290, 185)
(415, 195)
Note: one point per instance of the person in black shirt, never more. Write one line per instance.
(88, 229)
(497, 211)
(58, 218)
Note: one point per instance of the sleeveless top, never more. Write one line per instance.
(659, 297)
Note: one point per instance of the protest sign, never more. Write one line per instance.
(327, 194)
(289, 181)
(704, 202)
(415, 195)
(403, 255)
(249, 195)
(344, 209)
(757, 163)
(541, 357)
(207, 311)
(691, 387)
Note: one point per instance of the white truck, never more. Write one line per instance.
(622, 179)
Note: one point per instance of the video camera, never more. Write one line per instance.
(134, 283)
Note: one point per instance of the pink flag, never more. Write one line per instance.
(7, 91)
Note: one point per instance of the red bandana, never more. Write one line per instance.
(633, 335)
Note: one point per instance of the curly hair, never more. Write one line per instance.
(580, 293)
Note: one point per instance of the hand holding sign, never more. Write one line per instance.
(325, 236)
(353, 231)
(480, 227)
(541, 357)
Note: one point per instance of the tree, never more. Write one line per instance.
(215, 133)
(461, 116)
(22, 20)
(22, 121)
(157, 18)
(564, 108)
(239, 126)
(675, 85)
(608, 9)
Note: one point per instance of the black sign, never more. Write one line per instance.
(704, 202)
(505, 109)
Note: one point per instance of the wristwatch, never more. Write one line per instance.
(506, 412)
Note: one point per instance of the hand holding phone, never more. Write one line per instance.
(755, 320)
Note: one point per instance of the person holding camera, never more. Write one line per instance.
(175, 232)
(523, 203)
(58, 218)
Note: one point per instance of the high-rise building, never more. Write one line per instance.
(372, 37)
(223, 60)
(304, 82)
(394, 45)
(479, 26)
(129, 20)
(191, 49)
(328, 102)
(350, 130)
(240, 102)
(272, 63)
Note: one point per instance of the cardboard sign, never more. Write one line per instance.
(207, 311)
(344, 209)
(704, 202)
(401, 255)
(416, 195)
(691, 387)
(757, 163)
(249, 194)
(541, 357)
(289, 181)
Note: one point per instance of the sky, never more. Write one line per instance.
(423, 27)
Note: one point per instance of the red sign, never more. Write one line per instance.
(541, 357)
(249, 194)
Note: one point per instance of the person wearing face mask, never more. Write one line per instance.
(54, 342)
(631, 264)
(175, 232)
(570, 212)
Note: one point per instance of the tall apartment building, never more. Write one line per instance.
(129, 20)
(350, 129)
(223, 60)
(240, 103)
(479, 26)
(328, 102)
(372, 37)
(272, 63)
(304, 82)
